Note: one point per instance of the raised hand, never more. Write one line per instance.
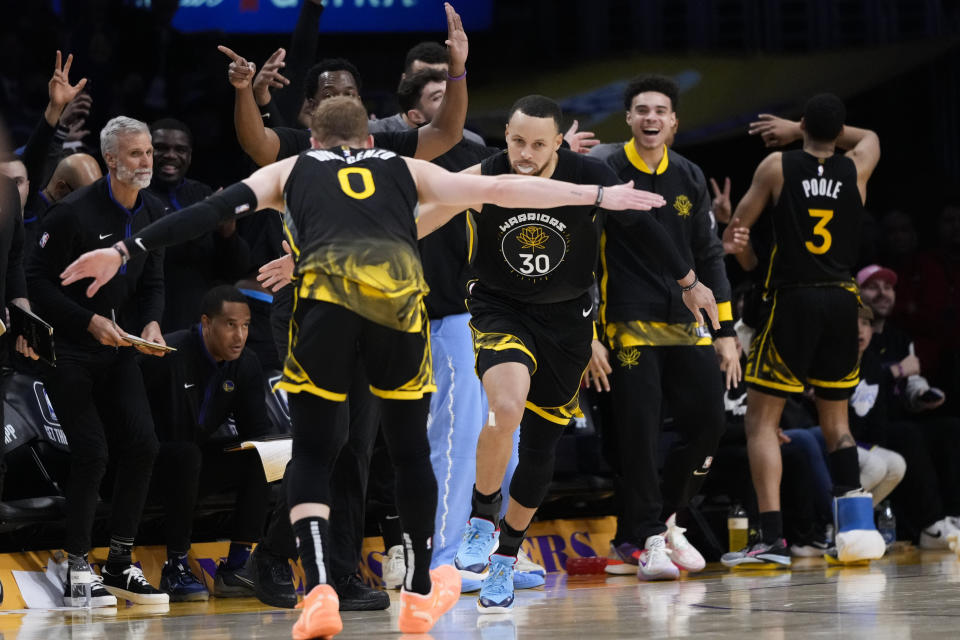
(775, 131)
(624, 196)
(580, 141)
(722, 209)
(735, 238)
(59, 89)
(456, 41)
(270, 77)
(240, 73)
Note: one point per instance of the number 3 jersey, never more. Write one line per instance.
(350, 218)
(816, 222)
(540, 256)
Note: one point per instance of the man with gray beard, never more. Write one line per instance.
(96, 386)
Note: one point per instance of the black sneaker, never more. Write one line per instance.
(355, 595)
(182, 584)
(759, 556)
(233, 583)
(131, 585)
(73, 589)
(272, 579)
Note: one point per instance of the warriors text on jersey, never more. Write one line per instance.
(348, 217)
(816, 221)
(543, 256)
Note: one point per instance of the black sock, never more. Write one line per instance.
(311, 534)
(418, 552)
(392, 531)
(510, 540)
(119, 557)
(486, 506)
(844, 470)
(237, 555)
(176, 556)
(771, 526)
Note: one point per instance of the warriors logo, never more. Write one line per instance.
(629, 357)
(533, 244)
(683, 205)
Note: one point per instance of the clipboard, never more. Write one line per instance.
(135, 340)
(37, 332)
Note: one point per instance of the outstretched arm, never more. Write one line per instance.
(446, 128)
(262, 190)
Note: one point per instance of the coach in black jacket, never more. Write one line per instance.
(96, 386)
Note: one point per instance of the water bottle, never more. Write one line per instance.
(738, 528)
(81, 584)
(887, 523)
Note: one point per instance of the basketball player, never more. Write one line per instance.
(350, 215)
(809, 336)
(531, 319)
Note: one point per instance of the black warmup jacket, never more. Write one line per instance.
(87, 219)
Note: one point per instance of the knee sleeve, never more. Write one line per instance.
(536, 453)
(319, 432)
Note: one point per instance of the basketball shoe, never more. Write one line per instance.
(478, 542)
(418, 613)
(623, 559)
(177, 580)
(130, 585)
(682, 553)
(394, 567)
(320, 617)
(654, 562)
(496, 594)
(759, 555)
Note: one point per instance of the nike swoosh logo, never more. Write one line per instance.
(189, 386)
(700, 473)
(587, 311)
(139, 243)
(244, 580)
(104, 236)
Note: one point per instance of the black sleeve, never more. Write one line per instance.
(708, 251)
(250, 411)
(150, 293)
(402, 143)
(58, 247)
(36, 152)
(232, 255)
(301, 55)
(292, 141)
(16, 284)
(654, 238)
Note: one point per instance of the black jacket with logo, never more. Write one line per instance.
(635, 287)
(87, 219)
(192, 395)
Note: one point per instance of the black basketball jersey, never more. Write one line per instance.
(350, 216)
(541, 256)
(816, 221)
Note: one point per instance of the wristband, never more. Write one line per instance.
(599, 195)
(124, 258)
(695, 282)
(459, 77)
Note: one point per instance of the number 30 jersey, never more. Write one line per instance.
(816, 222)
(350, 218)
(540, 256)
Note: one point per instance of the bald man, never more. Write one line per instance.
(72, 172)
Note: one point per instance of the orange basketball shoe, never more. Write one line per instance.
(419, 613)
(321, 615)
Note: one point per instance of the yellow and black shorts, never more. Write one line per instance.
(551, 340)
(326, 340)
(808, 337)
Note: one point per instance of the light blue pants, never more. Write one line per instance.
(458, 411)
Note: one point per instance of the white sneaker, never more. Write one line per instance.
(395, 567)
(654, 562)
(935, 536)
(860, 544)
(682, 553)
(526, 565)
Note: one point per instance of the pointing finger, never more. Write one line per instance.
(227, 51)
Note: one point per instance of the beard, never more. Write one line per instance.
(139, 178)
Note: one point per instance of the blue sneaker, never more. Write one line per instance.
(527, 580)
(496, 594)
(180, 583)
(479, 541)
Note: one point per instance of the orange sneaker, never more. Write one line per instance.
(321, 614)
(419, 613)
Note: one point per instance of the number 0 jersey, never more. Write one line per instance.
(816, 222)
(540, 256)
(350, 217)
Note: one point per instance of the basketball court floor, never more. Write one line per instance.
(910, 595)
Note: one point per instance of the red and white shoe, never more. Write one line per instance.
(320, 617)
(419, 613)
(682, 553)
